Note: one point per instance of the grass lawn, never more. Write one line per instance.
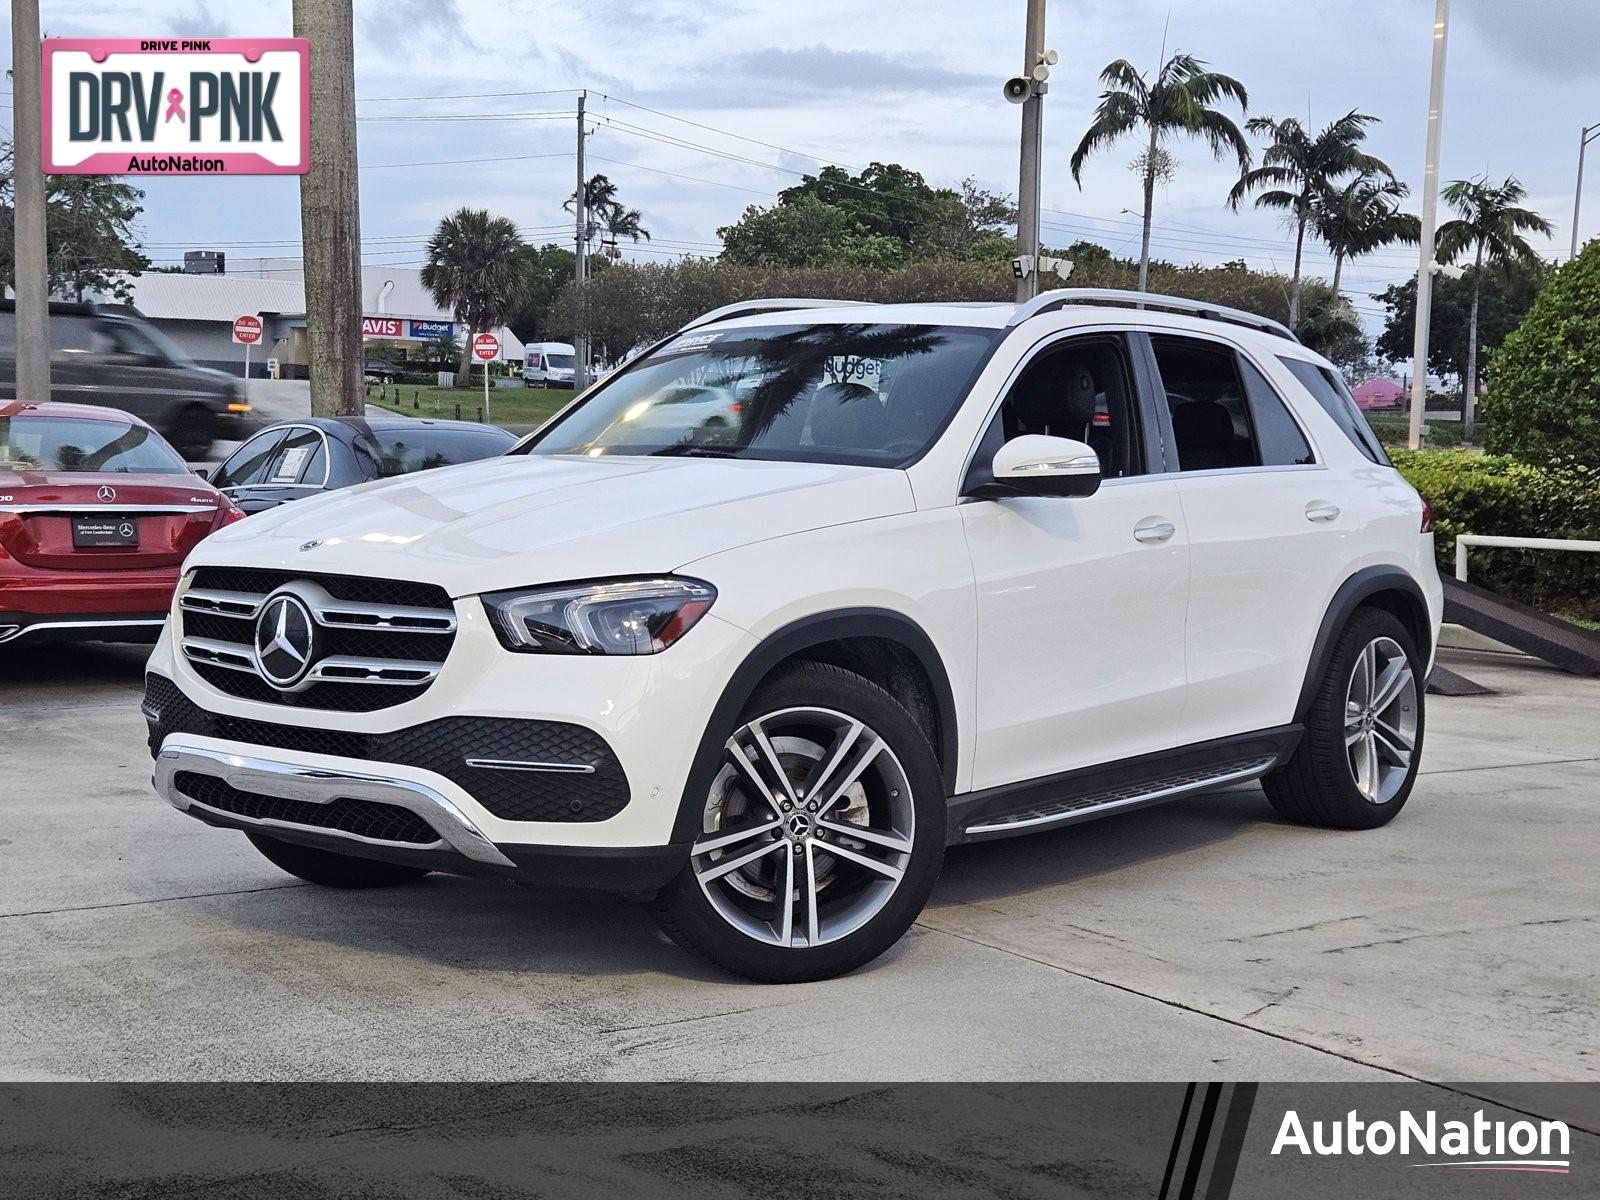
(517, 406)
(1393, 430)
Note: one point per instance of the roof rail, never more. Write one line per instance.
(1061, 297)
(750, 308)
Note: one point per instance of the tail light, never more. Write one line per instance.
(228, 513)
(1427, 516)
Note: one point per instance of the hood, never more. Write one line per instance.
(529, 519)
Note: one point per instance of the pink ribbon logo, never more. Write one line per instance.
(175, 105)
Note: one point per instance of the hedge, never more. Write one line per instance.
(1498, 494)
(1544, 381)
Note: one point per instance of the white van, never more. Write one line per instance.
(548, 364)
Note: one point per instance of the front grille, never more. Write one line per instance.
(362, 818)
(443, 747)
(368, 641)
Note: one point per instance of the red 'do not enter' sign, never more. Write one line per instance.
(247, 330)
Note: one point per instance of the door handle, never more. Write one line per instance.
(1321, 510)
(1153, 529)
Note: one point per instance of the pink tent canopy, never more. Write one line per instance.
(1380, 393)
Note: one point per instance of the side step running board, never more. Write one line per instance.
(1152, 792)
(1125, 786)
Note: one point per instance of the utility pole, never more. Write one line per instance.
(28, 192)
(330, 213)
(1590, 132)
(580, 206)
(1032, 147)
(1430, 221)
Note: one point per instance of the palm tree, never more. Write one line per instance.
(603, 213)
(1362, 216)
(1297, 170)
(623, 223)
(1491, 225)
(474, 268)
(1179, 102)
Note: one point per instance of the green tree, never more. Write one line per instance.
(888, 214)
(546, 270)
(1298, 170)
(1362, 216)
(90, 244)
(1543, 402)
(1491, 226)
(474, 266)
(1179, 102)
(1505, 300)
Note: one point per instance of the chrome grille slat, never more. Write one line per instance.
(225, 604)
(373, 670)
(218, 654)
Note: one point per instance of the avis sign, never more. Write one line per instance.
(208, 106)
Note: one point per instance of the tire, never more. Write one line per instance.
(194, 432)
(856, 910)
(330, 869)
(1325, 782)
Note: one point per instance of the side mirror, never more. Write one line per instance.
(1037, 465)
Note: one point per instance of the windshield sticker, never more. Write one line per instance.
(289, 469)
(689, 344)
(849, 368)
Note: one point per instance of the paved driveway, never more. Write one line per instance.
(1203, 939)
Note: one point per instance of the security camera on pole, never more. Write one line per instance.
(1028, 90)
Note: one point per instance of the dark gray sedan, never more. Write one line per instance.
(319, 454)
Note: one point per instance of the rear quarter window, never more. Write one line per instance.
(402, 451)
(1330, 392)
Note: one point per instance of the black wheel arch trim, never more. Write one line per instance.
(1352, 593)
(804, 634)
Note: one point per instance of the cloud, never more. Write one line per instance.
(817, 69)
(412, 24)
(1554, 37)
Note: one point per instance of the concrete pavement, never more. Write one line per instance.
(1203, 939)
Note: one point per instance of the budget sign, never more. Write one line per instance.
(208, 106)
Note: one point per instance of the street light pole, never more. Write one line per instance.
(28, 193)
(1430, 221)
(1590, 132)
(1028, 187)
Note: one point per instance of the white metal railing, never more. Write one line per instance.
(1464, 540)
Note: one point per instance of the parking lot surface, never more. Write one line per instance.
(1202, 939)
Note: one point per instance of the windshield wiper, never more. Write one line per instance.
(693, 452)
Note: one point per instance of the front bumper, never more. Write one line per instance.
(321, 807)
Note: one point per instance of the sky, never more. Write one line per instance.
(700, 108)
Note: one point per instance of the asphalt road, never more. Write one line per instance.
(1203, 939)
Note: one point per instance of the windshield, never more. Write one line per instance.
(59, 444)
(561, 361)
(875, 395)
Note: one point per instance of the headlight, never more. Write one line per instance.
(629, 616)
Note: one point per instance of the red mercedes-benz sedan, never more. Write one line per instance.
(97, 514)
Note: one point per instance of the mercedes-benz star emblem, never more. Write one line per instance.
(107, 493)
(311, 545)
(284, 641)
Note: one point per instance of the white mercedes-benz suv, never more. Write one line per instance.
(938, 573)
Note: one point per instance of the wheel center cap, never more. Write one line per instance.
(799, 825)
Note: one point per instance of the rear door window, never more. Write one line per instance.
(299, 459)
(250, 462)
(1225, 414)
(1330, 392)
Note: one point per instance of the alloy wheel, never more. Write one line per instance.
(807, 830)
(1380, 720)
